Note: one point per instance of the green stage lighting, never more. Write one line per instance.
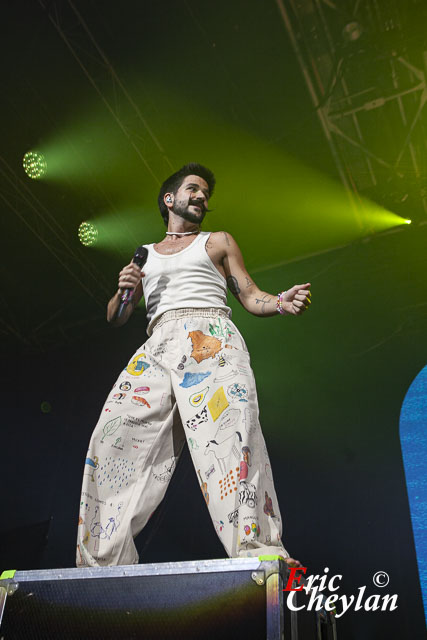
(45, 407)
(34, 164)
(408, 221)
(88, 234)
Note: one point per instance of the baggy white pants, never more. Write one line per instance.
(191, 381)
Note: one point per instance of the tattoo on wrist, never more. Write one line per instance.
(233, 285)
(266, 299)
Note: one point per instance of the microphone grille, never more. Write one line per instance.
(141, 255)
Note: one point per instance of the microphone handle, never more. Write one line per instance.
(140, 258)
(126, 298)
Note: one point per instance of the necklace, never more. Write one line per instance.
(183, 233)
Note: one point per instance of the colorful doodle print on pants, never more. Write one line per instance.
(196, 393)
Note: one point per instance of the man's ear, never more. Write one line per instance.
(168, 199)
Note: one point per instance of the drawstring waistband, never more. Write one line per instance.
(175, 314)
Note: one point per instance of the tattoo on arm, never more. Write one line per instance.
(266, 299)
(233, 285)
(249, 282)
(227, 241)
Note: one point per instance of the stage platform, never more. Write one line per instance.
(222, 599)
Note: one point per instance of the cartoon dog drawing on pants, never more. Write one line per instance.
(222, 450)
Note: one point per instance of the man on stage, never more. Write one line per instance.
(190, 381)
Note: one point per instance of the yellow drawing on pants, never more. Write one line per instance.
(137, 366)
(217, 403)
(197, 398)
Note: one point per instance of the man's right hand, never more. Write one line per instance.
(129, 277)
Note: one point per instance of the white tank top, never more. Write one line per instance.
(187, 279)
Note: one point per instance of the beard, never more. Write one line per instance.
(182, 210)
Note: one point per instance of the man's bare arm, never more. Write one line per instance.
(129, 278)
(259, 303)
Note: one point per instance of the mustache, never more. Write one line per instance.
(200, 205)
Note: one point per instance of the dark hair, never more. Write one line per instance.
(173, 183)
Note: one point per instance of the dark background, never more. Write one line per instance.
(219, 84)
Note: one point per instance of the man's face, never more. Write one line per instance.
(191, 199)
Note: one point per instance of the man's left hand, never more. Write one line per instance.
(297, 300)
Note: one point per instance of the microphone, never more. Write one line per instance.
(140, 258)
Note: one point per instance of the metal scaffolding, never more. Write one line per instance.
(364, 66)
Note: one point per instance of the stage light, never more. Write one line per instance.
(408, 221)
(352, 31)
(34, 164)
(45, 407)
(88, 234)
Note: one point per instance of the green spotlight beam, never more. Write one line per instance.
(277, 207)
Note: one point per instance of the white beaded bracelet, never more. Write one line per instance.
(279, 305)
